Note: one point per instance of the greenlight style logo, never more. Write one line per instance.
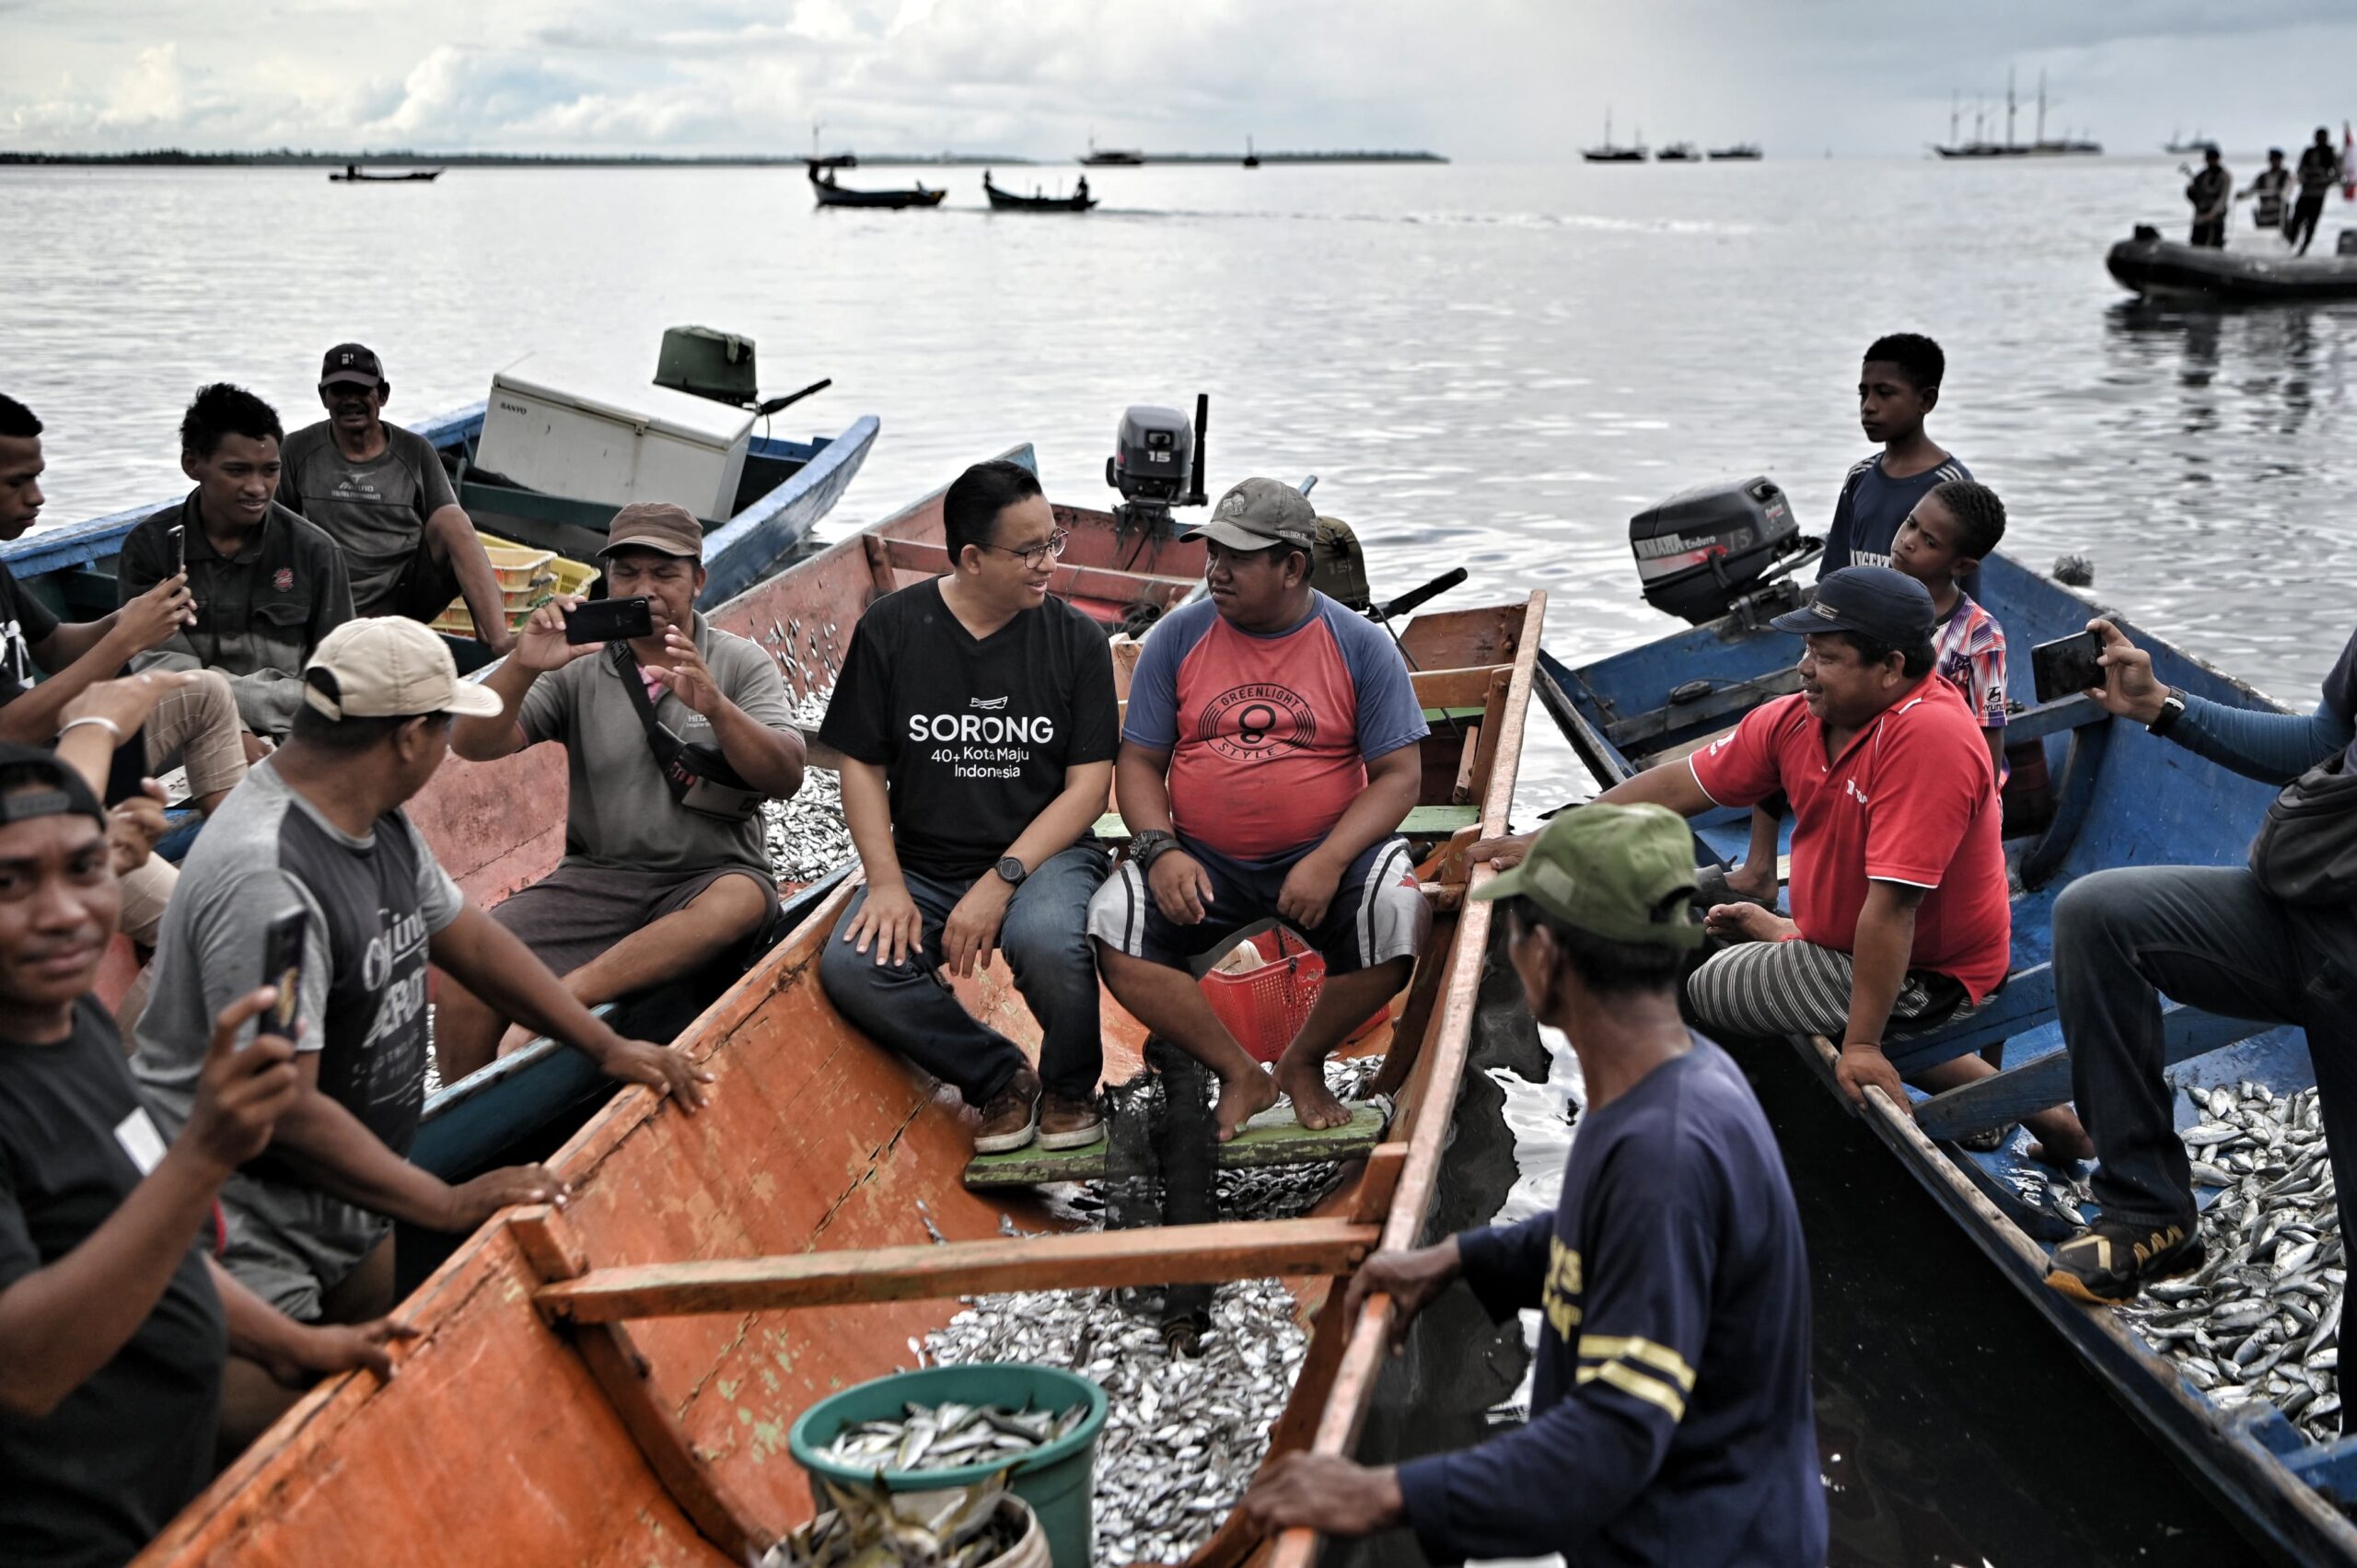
(1256, 721)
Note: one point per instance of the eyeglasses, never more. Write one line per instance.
(1038, 553)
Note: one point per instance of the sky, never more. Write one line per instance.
(1479, 80)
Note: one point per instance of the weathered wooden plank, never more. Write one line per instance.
(1424, 822)
(555, 1251)
(2009, 1096)
(1732, 701)
(2026, 1002)
(1272, 1138)
(2054, 718)
(1195, 1254)
(1470, 753)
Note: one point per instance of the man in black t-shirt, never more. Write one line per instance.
(2319, 173)
(113, 1319)
(976, 723)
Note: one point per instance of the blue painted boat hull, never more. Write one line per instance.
(2124, 797)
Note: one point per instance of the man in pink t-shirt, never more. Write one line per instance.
(1901, 921)
(1268, 758)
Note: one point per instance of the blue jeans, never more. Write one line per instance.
(2211, 938)
(910, 1007)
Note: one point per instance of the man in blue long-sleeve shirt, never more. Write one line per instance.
(2211, 937)
(1670, 1421)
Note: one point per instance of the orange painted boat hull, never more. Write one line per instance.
(497, 1444)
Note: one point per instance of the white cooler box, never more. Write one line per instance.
(567, 431)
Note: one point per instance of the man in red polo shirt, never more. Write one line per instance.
(1900, 921)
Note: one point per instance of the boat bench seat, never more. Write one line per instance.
(1424, 822)
(1272, 1138)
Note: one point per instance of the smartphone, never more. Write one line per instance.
(281, 966)
(609, 620)
(179, 535)
(2066, 666)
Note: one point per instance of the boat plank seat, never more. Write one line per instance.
(1424, 822)
(1272, 1138)
(2186, 1032)
(1676, 721)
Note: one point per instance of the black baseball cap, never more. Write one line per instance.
(66, 794)
(355, 362)
(1873, 601)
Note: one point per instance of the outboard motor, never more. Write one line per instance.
(1721, 549)
(1158, 463)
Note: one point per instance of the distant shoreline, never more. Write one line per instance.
(175, 157)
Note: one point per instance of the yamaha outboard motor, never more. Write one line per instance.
(1724, 549)
(1158, 463)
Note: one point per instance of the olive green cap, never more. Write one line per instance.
(1613, 871)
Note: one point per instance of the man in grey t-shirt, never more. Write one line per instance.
(654, 887)
(380, 491)
(319, 832)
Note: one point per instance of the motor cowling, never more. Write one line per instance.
(1702, 549)
(1154, 455)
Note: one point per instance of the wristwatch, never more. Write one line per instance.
(1011, 871)
(1145, 848)
(2172, 710)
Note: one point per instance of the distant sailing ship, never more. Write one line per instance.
(1611, 151)
(2179, 144)
(2040, 146)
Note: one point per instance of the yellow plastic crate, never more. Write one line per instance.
(544, 575)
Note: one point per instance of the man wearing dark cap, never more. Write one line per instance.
(1901, 920)
(1267, 759)
(113, 1316)
(1671, 1421)
(671, 742)
(381, 493)
(2319, 173)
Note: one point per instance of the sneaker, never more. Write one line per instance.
(2110, 1262)
(1068, 1124)
(1011, 1117)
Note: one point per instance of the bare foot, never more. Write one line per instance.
(1747, 923)
(2061, 1141)
(1241, 1099)
(1759, 884)
(1313, 1105)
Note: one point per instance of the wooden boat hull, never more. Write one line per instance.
(507, 1440)
(836, 196)
(1008, 202)
(2164, 268)
(2123, 797)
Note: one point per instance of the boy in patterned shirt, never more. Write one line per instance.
(1942, 542)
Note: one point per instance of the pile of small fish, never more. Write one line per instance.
(1184, 1434)
(950, 1437)
(2261, 1319)
(806, 836)
(865, 1527)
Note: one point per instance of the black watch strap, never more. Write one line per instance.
(2172, 710)
(1145, 848)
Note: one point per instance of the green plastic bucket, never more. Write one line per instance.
(1058, 1478)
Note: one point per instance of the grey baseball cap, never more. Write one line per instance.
(1259, 513)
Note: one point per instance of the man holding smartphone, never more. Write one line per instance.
(657, 882)
(318, 831)
(2213, 937)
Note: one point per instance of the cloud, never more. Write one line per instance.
(1478, 78)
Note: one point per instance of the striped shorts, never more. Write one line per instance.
(1377, 913)
(1767, 989)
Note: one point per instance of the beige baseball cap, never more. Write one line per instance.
(390, 667)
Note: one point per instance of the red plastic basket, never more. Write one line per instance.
(1264, 1009)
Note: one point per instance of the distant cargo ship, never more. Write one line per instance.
(1742, 152)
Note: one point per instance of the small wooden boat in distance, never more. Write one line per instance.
(1079, 201)
(353, 174)
(830, 194)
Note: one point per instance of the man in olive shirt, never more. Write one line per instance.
(660, 880)
(268, 586)
(380, 491)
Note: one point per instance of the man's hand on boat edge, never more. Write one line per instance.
(1500, 854)
(663, 1068)
(1325, 1493)
(1861, 1066)
(1411, 1278)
